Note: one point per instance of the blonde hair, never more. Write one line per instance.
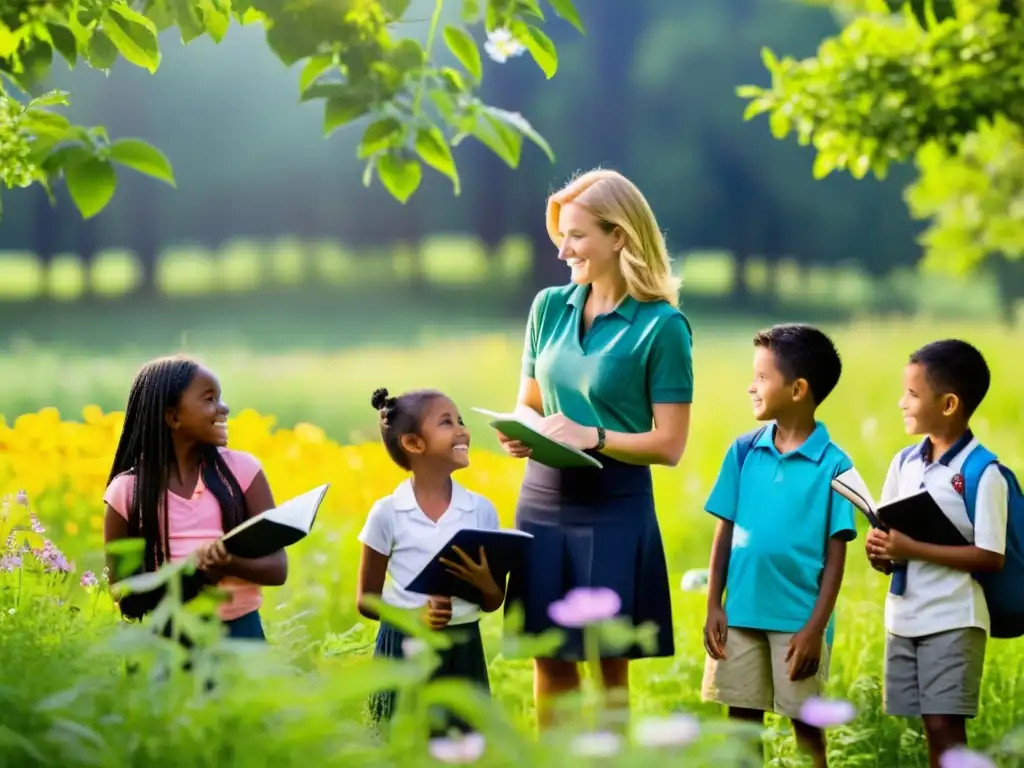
(617, 202)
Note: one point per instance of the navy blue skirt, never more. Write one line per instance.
(247, 627)
(465, 660)
(592, 528)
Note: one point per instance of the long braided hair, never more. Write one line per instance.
(146, 450)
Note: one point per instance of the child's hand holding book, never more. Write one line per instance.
(476, 573)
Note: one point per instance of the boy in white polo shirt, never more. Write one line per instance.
(936, 616)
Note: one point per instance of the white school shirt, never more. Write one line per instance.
(937, 598)
(398, 528)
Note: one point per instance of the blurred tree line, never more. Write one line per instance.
(649, 90)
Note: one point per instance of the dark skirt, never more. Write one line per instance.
(247, 627)
(465, 660)
(592, 528)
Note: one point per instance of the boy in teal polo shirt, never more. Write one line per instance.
(780, 544)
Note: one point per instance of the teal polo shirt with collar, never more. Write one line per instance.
(783, 511)
(637, 355)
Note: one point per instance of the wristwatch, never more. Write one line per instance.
(600, 439)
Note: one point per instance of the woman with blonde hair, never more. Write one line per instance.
(607, 363)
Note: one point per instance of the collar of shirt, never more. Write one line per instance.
(404, 498)
(812, 448)
(626, 308)
(954, 450)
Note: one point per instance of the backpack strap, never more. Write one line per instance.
(747, 441)
(898, 580)
(971, 470)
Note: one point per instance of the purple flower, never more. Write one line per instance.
(467, 749)
(53, 559)
(37, 527)
(962, 757)
(676, 730)
(827, 713)
(89, 579)
(10, 562)
(585, 605)
(21, 498)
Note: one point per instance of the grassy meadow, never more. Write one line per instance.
(310, 422)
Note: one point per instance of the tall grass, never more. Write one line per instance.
(311, 695)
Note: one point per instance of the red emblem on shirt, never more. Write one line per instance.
(958, 483)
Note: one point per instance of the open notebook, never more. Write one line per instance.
(276, 528)
(917, 514)
(524, 425)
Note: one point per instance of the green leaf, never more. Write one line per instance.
(395, 9)
(215, 22)
(530, 8)
(341, 110)
(465, 50)
(860, 166)
(315, 67)
(91, 182)
(522, 125)
(407, 55)
(144, 158)
(453, 80)
(41, 122)
(824, 164)
(756, 107)
(435, 152)
(779, 124)
(65, 43)
(499, 138)
(135, 41)
(400, 174)
(101, 53)
(470, 11)
(187, 17)
(543, 51)
(380, 135)
(51, 99)
(567, 11)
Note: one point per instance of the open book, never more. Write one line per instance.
(917, 515)
(276, 528)
(524, 425)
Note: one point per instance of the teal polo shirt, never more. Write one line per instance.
(637, 355)
(783, 510)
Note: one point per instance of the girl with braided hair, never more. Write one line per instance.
(176, 485)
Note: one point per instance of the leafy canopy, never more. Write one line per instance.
(416, 110)
(940, 83)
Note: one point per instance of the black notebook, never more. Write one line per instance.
(917, 515)
(276, 528)
(504, 549)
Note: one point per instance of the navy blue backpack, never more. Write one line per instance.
(1004, 590)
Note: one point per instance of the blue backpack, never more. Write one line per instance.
(747, 441)
(1004, 590)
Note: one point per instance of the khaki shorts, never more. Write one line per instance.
(756, 676)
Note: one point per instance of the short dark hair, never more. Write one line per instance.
(955, 366)
(402, 415)
(804, 352)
